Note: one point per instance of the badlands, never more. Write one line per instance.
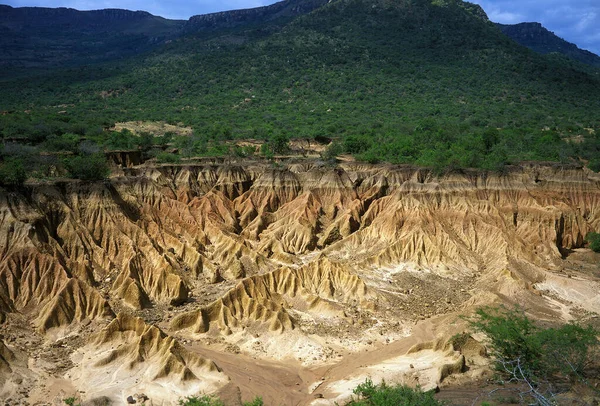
(293, 281)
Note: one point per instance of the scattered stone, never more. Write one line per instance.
(131, 400)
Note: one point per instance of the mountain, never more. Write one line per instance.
(426, 82)
(45, 37)
(282, 10)
(543, 41)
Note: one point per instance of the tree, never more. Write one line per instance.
(12, 172)
(536, 357)
(87, 167)
(279, 143)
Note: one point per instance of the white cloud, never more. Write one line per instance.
(505, 17)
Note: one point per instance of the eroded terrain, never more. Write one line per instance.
(292, 281)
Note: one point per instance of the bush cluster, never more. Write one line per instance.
(87, 167)
(593, 239)
(383, 394)
(12, 172)
(538, 357)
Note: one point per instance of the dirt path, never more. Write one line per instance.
(288, 382)
(278, 383)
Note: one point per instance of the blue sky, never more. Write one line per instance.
(577, 21)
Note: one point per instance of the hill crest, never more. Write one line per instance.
(536, 37)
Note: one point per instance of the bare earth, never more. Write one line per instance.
(294, 282)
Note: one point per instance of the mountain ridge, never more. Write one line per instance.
(538, 38)
(34, 37)
(148, 31)
(234, 18)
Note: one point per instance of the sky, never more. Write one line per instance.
(577, 21)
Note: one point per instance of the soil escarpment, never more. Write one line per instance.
(145, 358)
(300, 261)
(316, 289)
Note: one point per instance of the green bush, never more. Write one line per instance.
(168, 158)
(267, 151)
(332, 151)
(383, 394)
(87, 167)
(145, 141)
(594, 164)
(12, 172)
(71, 401)
(64, 142)
(538, 357)
(593, 239)
(279, 143)
(257, 401)
(356, 145)
(204, 400)
(122, 140)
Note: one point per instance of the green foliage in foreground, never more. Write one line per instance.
(368, 394)
(71, 401)
(538, 357)
(593, 239)
(383, 394)
(207, 400)
(204, 400)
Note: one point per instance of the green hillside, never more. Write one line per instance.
(427, 82)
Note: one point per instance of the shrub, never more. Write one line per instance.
(71, 401)
(279, 143)
(257, 401)
(266, 151)
(332, 151)
(64, 142)
(594, 164)
(87, 167)
(537, 357)
(204, 400)
(167, 158)
(122, 140)
(12, 172)
(593, 239)
(385, 395)
(145, 141)
(356, 145)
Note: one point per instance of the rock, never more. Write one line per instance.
(131, 400)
